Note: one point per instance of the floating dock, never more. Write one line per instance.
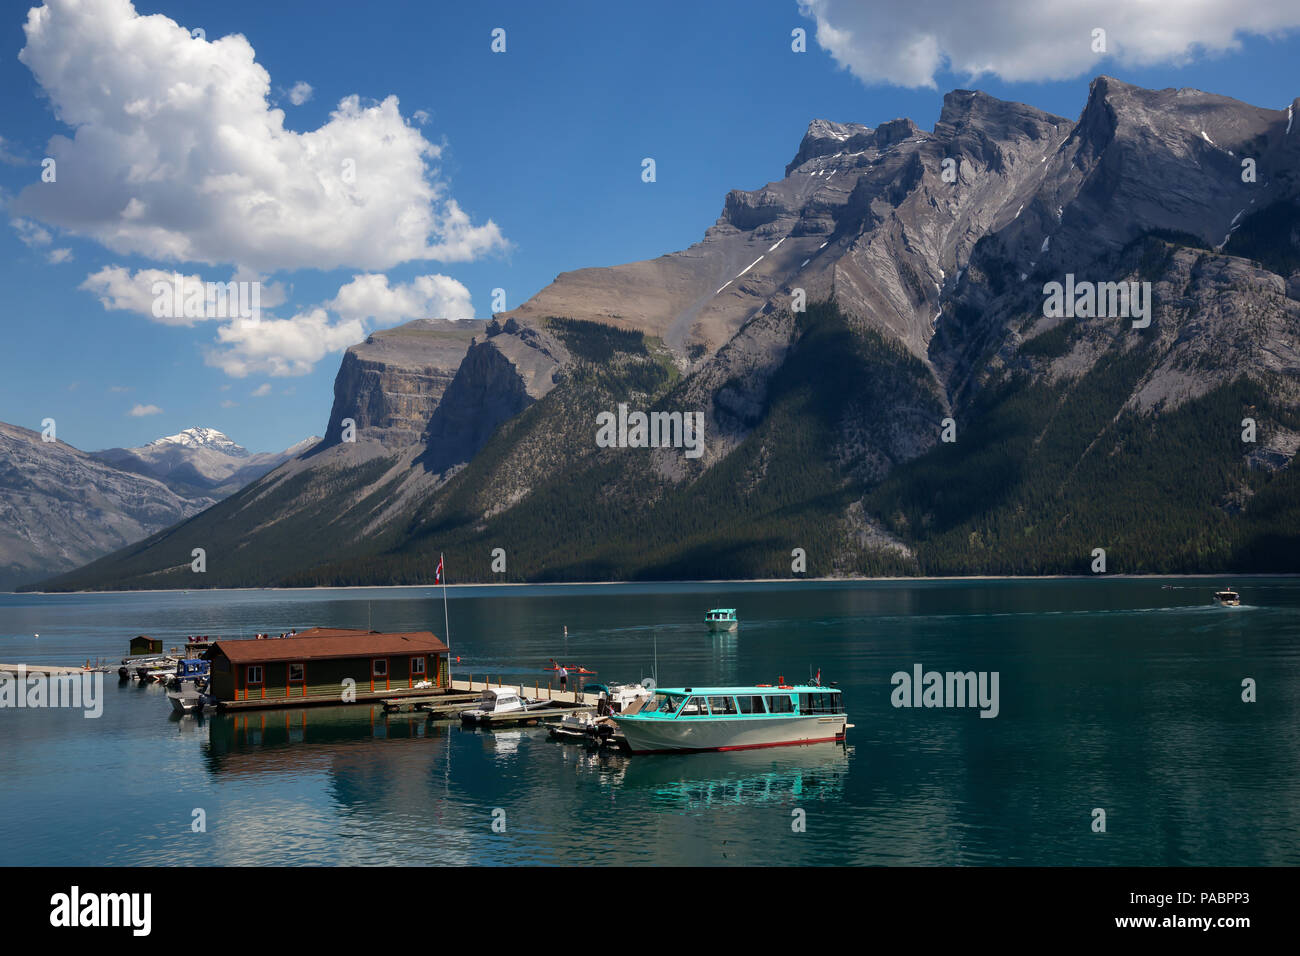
(47, 670)
(457, 696)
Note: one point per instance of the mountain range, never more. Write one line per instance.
(63, 507)
(883, 387)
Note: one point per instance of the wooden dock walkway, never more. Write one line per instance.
(529, 716)
(457, 696)
(529, 689)
(43, 670)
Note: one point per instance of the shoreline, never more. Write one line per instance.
(689, 581)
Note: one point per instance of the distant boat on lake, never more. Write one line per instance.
(722, 619)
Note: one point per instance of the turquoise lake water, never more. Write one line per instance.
(1120, 695)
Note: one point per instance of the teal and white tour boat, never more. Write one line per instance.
(722, 619)
(734, 718)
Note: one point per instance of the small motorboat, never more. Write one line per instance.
(585, 726)
(722, 619)
(157, 668)
(187, 687)
(1227, 598)
(189, 698)
(498, 702)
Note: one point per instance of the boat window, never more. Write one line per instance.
(751, 704)
(780, 704)
(297, 673)
(722, 705)
(664, 704)
(819, 703)
(694, 707)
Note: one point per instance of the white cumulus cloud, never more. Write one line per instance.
(139, 411)
(281, 346)
(371, 297)
(908, 43)
(300, 93)
(176, 154)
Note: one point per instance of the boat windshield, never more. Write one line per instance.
(664, 704)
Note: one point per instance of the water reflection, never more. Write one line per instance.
(740, 778)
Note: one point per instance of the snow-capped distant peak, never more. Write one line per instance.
(203, 438)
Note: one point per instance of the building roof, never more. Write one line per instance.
(324, 643)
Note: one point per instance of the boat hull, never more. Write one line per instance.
(729, 733)
(722, 626)
(185, 704)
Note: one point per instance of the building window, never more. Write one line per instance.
(254, 673)
(379, 667)
(417, 666)
(297, 673)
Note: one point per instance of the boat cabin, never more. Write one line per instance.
(758, 701)
(192, 669)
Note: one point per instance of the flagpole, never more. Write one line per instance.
(446, 621)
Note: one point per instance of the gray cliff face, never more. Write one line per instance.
(1147, 187)
(510, 368)
(391, 384)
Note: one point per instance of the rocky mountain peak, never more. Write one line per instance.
(825, 138)
(200, 437)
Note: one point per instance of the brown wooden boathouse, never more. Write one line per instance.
(314, 666)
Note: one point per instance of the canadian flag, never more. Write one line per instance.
(437, 575)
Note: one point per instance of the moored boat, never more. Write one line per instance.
(585, 726)
(498, 702)
(187, 688)
(734, 718)
(722, 619)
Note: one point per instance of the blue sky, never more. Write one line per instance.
(544, 141)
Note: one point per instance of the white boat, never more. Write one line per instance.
(1227, 598)
(187, 699)
(734, 718)
(721, 619)
(613, 699)
(187, 688)
(497, 701)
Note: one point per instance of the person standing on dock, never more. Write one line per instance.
(564, 677)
